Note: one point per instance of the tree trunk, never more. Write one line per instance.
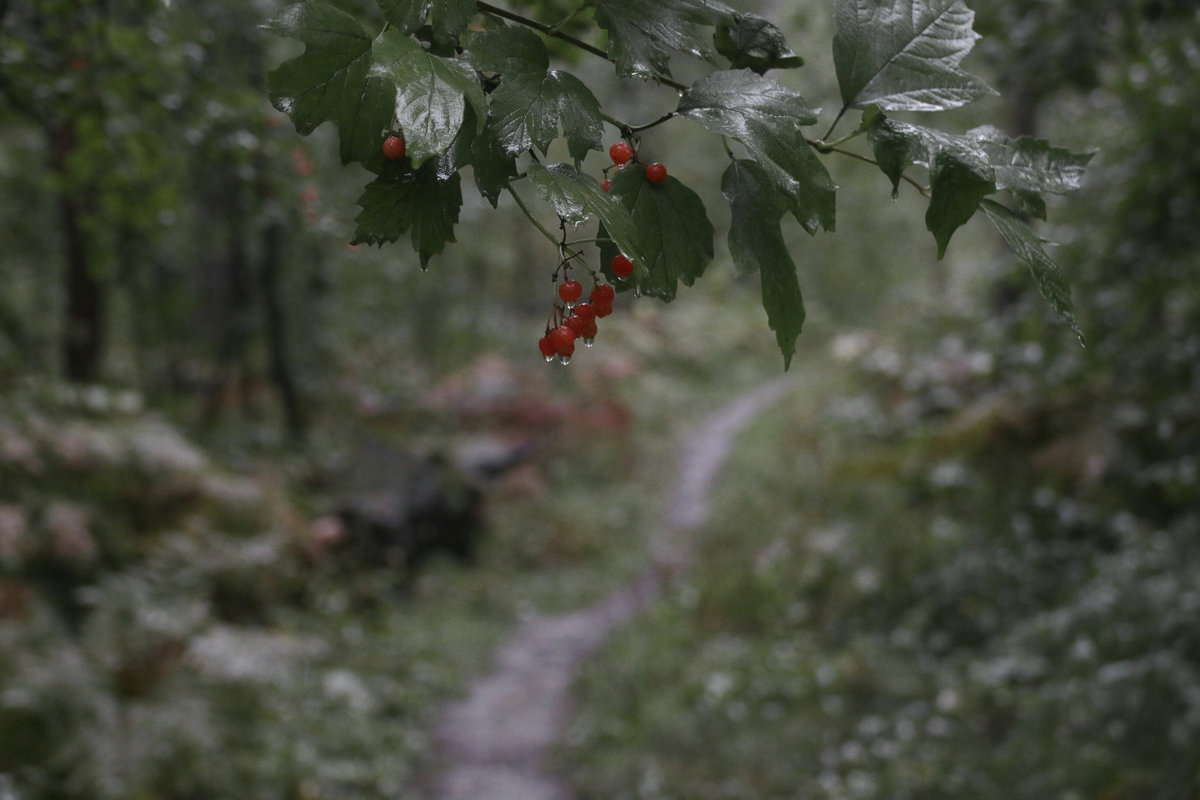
(276, 333)
(83, 332)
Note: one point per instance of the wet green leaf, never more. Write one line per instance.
(420, 202)
(643, 34)
(905, 54)
(1051, 281)
(329, 81)
(672, 231)
(767, 118)
(431, 93)
(754, 43)
(756, 244)
(576, 197)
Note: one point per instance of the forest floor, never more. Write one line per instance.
(495, 742)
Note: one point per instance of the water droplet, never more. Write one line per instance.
(570, 304)
(637, 290)
(549, 358)
(564, 360)
(588, 341)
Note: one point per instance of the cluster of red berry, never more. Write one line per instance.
(575, 320)
(622, 153)
(571, 319)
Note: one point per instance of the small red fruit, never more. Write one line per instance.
(620, 152)
(563, 339)
(585, 311)
(656, 173)
(605, 185)
(547, 347)
(622, 267)
(603, 309)
(393, 148)
(589, 332)
(577, 324)
(602, 294)
(570, 291)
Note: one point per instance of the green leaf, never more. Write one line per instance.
(643, 33)
(431, 93)
(420, 202)
(672, 231)
(1029, 164)
(446, 18)
(756, 243)
(532, 102)
(492, 166)
(754, 43)
(956, 187)
(905, 54)
(510, 52)
(577, 196)
(1025, 243)
(964, 171)
(766, 117)
(329, 81)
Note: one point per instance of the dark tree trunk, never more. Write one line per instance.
(83, 332)
(276, 332)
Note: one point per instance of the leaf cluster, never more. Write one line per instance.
(470, 84)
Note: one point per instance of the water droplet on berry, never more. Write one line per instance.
(637, 290)
(570, 304)
(564, 360)
(588, 341)
(549, 358)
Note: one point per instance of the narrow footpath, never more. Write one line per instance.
(495, 741)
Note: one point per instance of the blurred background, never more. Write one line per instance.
(267, 501)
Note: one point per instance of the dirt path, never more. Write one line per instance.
(494, 742)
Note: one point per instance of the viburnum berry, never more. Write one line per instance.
(576, 324)
(603, 309)
(622, 267)
(570, 291)
(605, 185)
(602, 294)
(585, 311)
(620, 152)
(393, 148)
(588, 334)
(549, 351)
(563, 339)
(656, 173)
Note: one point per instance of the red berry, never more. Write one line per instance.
(576, 324)
(605, 185)
(570, 291)
(620, 152)
(656, 173)
(603, 309)
(393, 148)
(547, 347)
(589, 332)
(602, 294)
(622, 267)
(585, 311)
(563, 339)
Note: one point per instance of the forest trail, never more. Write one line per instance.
(494, 742)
